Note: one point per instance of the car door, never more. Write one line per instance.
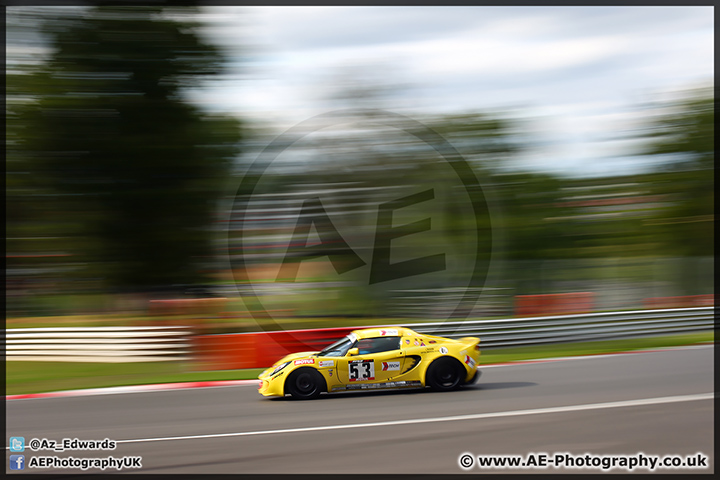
(379, 359)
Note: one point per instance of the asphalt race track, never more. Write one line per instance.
(577, 406)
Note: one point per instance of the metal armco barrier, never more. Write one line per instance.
(575, 328)
(262, 349)
(98, 344)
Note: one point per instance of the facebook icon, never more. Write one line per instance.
(17, 462)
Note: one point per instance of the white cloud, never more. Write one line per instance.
(580, 69)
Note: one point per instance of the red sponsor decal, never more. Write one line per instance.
(305, 361)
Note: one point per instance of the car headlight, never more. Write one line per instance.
(278, 368)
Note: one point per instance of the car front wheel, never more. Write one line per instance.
(305, 384)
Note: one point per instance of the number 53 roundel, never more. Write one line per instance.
(372, 358)
(361, 370)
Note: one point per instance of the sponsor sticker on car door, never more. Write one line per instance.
(390, 366)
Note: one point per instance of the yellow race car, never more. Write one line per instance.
(373, 358)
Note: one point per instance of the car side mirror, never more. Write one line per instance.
(352, 352)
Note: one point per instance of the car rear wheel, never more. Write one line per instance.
(444, 374)
(305, 384)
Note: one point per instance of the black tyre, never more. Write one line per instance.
(305, 384)
(444, 374)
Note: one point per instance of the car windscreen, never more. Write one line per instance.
(339, 348)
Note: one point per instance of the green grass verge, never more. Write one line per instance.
(37, 377)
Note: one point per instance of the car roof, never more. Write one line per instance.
(383, 332)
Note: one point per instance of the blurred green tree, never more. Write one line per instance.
(106, 127)
(684, 131)
(682, 134)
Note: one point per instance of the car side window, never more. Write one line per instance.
(377, 345)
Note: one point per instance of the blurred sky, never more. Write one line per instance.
(580, 74)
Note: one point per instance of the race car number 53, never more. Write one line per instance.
(362, 370)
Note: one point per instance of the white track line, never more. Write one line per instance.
(478, 416)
